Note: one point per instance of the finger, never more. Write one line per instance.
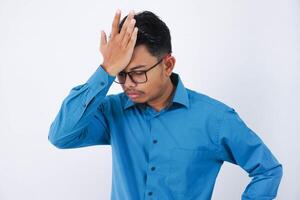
(124, 27)
(103, 39)
(133, 38)
(128, 33)
(115, 24)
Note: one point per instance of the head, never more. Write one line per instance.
(153, 44)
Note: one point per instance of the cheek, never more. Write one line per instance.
(154, 88)
(148, 89)
(156, 80)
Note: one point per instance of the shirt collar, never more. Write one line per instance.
(180, 96)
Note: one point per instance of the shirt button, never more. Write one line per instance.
(154, 141)
(153, 168)
(102, 83)
(150, 193)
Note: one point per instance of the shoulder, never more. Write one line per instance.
(207, 102)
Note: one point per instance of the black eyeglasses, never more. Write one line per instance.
(138, 76)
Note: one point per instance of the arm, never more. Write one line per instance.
(241, 146)
(80, 121)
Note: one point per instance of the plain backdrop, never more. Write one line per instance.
(244, 53)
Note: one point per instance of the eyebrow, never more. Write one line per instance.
(137, 67)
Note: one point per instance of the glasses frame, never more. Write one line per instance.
(144, 71)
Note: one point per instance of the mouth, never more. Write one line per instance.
(133, 95)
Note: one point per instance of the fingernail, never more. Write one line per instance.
(118, 11)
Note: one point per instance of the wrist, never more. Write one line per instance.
(111, 73)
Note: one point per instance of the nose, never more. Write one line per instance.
(128, 82)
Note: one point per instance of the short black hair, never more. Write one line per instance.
(152, 32)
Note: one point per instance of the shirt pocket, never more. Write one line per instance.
(188, 170)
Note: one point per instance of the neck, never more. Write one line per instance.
(164, 99)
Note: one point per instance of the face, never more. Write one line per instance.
(157, 78)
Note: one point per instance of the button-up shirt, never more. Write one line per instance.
(171, 154)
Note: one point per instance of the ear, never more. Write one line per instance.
(169, 64)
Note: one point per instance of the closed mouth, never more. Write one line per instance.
(133, 94)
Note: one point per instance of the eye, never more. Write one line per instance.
(137, 73)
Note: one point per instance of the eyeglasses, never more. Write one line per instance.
(138, 76)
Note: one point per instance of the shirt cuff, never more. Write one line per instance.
(98, 81)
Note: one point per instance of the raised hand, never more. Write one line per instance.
(118, 50)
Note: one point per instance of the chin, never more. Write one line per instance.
(138, 100)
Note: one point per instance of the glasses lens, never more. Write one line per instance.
(138, 76)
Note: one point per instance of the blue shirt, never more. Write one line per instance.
(173, 154)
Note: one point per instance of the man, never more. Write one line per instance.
(168, 142)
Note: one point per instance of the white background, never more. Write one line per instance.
(244, 53)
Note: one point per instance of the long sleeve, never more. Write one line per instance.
(241, 146)
(81, 120)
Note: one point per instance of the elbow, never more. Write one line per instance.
(280, 171)
(54, 139)
(55, 142)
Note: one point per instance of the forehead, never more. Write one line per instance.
(141, 58)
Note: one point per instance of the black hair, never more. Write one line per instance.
(152, 32)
